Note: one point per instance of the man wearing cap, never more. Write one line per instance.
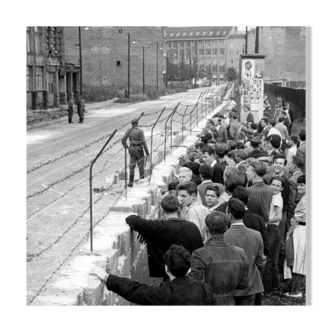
(137, 144)
(80, 108)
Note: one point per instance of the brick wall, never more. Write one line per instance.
(103, 47)
(284, 48)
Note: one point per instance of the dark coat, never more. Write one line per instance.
(136, 138)
(222, 266)
(160, 235)
(257, 154)
(179, 291)
(218, 172)
(252, 244)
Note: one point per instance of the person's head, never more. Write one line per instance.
(264, 122)
(297, 163)
(302, 135)
(187, 193)
(272, 123)
(239, 145)
(275, 141)
(177, 261)
(134, 122)
(254, 126)
(281, 119)
(206, 172)
(240, 155)
(192, 156)
(212, 194)
(216, 223)
(247, 145)
(255, 170)
(236, 209)
(169, 204)
(212, 143)
(232, 145)
(287, 106)
(301, 185)
(222, 150)
(294, 140)
(256, 142)
(232, 178)
(279, 162)
(208, 155)
(185, 174)
(241, 193)
(278, 184)
(234, 116)
(209, 123)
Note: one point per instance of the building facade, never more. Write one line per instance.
(50, 81)
(105, 54)
(198, 52)
(235, 47)
(285, 50)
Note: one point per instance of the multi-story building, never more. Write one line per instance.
(235, 47)
(197, 52)
(285, 50)
(105, 54)
(49, 79)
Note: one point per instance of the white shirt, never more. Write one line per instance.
(291, 153)
(276, 202)
(274, 131)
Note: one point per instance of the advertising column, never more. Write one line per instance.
(252, 86)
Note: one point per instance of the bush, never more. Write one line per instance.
(93, 94)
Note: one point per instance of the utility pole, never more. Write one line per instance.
(166, 71)
(80, 51)
(182, 67)
(190, 71)
(246, 49)
(157, 64)
(257, 41)
(143, 74)
(128, 65)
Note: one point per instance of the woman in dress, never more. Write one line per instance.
(298, 230)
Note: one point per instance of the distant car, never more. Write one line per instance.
(207, 83)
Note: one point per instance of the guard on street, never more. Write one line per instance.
(70, 110)
(137, 143)
(80, 109)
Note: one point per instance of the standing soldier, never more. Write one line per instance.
(137, 143)
(70, 110)
(80, 108)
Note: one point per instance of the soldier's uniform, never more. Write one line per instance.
(137, 144)
(80, 109)
(70, 110)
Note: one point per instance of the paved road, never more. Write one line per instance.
(58, 160)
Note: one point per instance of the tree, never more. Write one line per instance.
(231, 74)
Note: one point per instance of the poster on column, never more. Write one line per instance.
(252, 87)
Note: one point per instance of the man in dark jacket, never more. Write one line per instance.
(80, 109)
(222, 266)
(161, 234)
(137, 144)
(208, 157)
(70, 110)
(180, 289)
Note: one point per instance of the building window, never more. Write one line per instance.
(208, 51)
(230, 53)
(28, 78)
(50, 88)
(39, 78)
(188, 53)
(215, 51)
(181, 44)
(215, 68)
(187, 44)
(175, 44)
(120, 30)
(222, 51)
(201, 51)
(231, 61)
(118, 63)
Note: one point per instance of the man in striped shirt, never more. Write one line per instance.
(255, 172)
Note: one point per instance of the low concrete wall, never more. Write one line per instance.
(115, 245)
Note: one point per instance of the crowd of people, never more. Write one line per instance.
(233, 221)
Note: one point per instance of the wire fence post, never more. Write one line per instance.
(166, 133)
(126, 162)
(92, 163)
(151, 150)
(174, 111)
(182, 121)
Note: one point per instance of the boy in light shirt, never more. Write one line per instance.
(273, 231)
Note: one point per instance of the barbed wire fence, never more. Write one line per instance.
(187, 126)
